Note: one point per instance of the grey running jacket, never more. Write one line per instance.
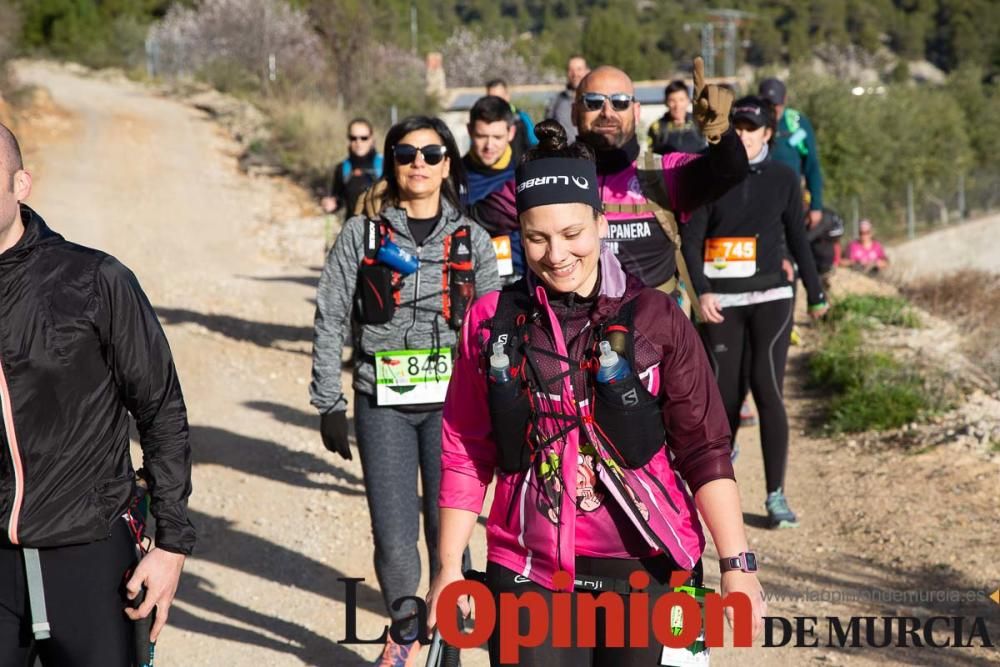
(419, 325)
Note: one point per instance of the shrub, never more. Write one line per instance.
(870, 390)
(472, 60)
(887, 310)
(305, 135)
(226, 36)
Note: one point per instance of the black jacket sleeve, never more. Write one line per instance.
(144, 372)
(706, 179)
(338, 188)
(692, 246)
(797, 242)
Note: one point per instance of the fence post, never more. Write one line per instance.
(961, 197)
(911, 221)
(855, 216)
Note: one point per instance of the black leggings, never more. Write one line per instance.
(396, 447)
(499, 580)
(84, 596)
(761, 331)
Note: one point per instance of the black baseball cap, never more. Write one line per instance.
(772, 90)
(752, 109)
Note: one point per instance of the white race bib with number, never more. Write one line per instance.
(412, 377)
(730, 257)
(505, 258)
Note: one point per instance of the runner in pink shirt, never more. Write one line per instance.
(586, 397)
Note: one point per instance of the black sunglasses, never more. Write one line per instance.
(433, 153)
(595, 101)
(354, 138)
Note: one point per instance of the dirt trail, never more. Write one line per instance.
(231, 264)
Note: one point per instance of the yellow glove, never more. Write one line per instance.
(712, 105)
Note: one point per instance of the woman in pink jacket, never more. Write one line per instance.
(567, 386)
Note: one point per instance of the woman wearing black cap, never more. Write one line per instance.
(734, 249)
(568, 385)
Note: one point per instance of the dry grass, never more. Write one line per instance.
(969, 298)
(308, 136)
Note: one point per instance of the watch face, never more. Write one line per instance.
(750, 564)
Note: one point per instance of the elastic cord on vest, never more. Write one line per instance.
(557, 180)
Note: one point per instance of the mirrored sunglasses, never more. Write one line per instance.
(619, 101)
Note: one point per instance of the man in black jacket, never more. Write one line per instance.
(80, 351)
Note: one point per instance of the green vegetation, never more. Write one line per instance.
(870, 390)
(365, 57)
(887, 310)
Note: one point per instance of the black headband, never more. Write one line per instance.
(557, 180)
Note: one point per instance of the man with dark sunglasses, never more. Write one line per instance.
(357, 173)
(644, 204)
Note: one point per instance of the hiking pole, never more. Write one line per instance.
(442, 654)
(145, 648)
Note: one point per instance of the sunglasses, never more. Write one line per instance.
(595, 101)
(354, 138)
(433, 153)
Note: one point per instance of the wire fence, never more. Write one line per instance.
(914, 209)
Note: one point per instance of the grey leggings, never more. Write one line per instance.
(393, 446)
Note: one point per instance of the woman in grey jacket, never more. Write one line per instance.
(401, 284)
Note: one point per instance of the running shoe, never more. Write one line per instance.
(747, 416)
(779, 514)
(398, 655)
(734, 453)
(796, 336)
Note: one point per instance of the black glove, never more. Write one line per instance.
(333, 427)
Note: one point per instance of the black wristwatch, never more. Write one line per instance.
(745, 561)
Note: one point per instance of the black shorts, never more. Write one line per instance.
(85, 600)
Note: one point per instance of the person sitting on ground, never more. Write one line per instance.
(525, 137)
(676, 131)
(357, 173)
(865, 253)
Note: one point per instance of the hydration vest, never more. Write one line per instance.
(797, 137)
(626, 417)
(376, 171)
(378, 287)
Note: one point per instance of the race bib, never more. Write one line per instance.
(731, 257)
(505, 259)
(412, 377)
(697, 654)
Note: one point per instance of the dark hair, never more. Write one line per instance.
(552, 142)
(491, 109)
(496, 82)
(675, 87)
(363, 121)
(452, 188)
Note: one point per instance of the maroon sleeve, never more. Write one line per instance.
(697, 428)
(497, 213)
